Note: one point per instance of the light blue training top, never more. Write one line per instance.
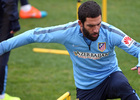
(92, 63)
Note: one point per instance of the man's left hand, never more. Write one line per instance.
(136, 68)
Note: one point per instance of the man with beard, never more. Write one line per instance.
(90, 43)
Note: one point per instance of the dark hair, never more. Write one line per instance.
(88, 9)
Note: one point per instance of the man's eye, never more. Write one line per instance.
(98, 24)
(90, 25)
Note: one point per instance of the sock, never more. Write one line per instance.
(26, 7)
(2, 96)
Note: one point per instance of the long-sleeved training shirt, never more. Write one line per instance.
(93, 63)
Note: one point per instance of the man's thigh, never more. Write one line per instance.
(119, 87)
(98, 93)
(114, 86)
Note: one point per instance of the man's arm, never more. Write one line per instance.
(56, 34)
(14, 42)
(138, 65)
(127, 44)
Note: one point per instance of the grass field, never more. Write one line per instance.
(39, 76)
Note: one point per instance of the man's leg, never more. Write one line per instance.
(3, 72)
(24, 2)
(28, 11)
(97, 93)
(4, 34)
(119, 87)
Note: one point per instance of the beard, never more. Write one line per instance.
(89, 36)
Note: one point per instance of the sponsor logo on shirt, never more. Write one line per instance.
(128, 41)
(90, 55)
(102, 46)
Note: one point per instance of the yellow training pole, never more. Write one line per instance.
(65, 96)
(78, 5)
(54, 51)
(104, 10)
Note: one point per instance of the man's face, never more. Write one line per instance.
(91, 27)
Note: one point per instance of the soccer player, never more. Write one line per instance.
(8, 26)
(90, 43)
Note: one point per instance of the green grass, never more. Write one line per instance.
(39, 76)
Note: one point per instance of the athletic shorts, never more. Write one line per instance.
(114, 86)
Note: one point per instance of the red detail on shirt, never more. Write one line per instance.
(127, 40)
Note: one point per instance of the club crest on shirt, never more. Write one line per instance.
(128, 41)
(102, 46)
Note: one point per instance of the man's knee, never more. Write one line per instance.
(120, 86)
(125, 91)
(133, 96)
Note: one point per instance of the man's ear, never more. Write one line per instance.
(80, 23)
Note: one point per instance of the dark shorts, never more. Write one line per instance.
(114, 86)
